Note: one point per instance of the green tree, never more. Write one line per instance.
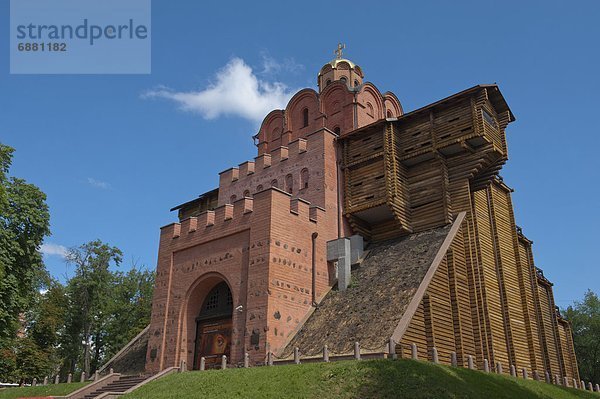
(34, 351)
(89, 296)
(8, 360)
(32, 362)
(130, 308)
(24, 222)
(47, 318)
(585, 320)
(45, 323)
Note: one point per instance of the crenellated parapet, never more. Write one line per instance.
(296, 168)
(262, 162)
(240, 215)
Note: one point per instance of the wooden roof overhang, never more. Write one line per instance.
(495, 96)
(196, 200)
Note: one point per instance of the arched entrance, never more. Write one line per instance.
(213, 327)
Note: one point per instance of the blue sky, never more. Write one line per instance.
(115, 152)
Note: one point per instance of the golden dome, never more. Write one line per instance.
(334, 63)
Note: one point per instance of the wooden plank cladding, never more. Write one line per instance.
(549, 333)
(405, 164)
(492, 288)
(428, 191)
(364, 171)
(486, 298)
(366, 191)
(396, 176)
(529, 304)
(376, 196)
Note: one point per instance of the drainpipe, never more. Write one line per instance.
(355, 108)
(338, 177)
(314, 268)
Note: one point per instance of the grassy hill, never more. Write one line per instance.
(352, 379)
(40, 391)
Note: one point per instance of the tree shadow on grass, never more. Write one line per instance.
(414, 379)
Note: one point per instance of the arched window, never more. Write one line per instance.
(304, 175)
(259, 188)
(232, 199)
(305, 117)
(328, 82)
(337, 130)
(370, 109)
(389, 113)
(246, 193)
(218, 303)
(274, 183)
(355, 83)
(343, 79)
(276, 133)
(289, 184)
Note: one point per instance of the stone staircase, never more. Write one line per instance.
(121, 385)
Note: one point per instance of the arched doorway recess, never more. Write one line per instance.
(213, 327)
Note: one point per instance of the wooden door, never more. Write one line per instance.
(213, 340)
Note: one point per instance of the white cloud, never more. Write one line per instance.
(54, 250)
(98, 184)
(271, 66)
(237, 91)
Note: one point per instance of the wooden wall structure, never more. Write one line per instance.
(486, 298)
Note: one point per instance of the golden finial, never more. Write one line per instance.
(338, 51)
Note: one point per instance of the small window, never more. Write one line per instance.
(289, 184)
(337, 130)
(328, 82)
(259, 188)
(212, 302)
(489, 118)
(305, 117)
(304, 175)
(247, 194)
(356, 83)
(274, 183)
(370, 111)
(232, 199)
(343, 79)
(389, 113)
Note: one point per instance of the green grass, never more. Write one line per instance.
(352, 379)
(41, 391)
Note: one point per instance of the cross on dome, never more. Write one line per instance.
(338, 51)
